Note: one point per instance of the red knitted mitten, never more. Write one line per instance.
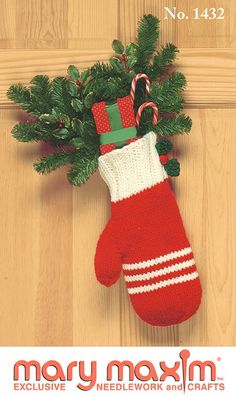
(145, 237)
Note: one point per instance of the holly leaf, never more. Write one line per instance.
(77, 142)
(85, 74)
(118, 46)
(73, 72)
(77, 125)
(132, 60)
(47, 118)
(61, 133)
(130, 49)
(77, 104)
(72, 88)
(116, 64)
(89, 100)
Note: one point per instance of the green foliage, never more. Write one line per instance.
(77, 142)
(162, 59)
(85, 75)
(36, 99)
(85, 165)
(176, 82)
(25, 132)
(118, 46)
(40, 91)
(77, 105)
(20, 95)
(148, 33)
(173, 126)
(131, 49)
(73, 72)
(53, 161)
(168, 94)
(61, 96)
(61, 108)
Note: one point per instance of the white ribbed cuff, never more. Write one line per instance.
(132, 168)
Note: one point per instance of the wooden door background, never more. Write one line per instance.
(48, 291)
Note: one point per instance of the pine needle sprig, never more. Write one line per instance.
(148, 33)
(173, 126)
(162, 59)
(41, 95)
(26, 132)
(61, 97)
(21, 95)
(85, 165)
(176, 82)
(53, 161)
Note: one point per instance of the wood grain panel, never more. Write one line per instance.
(54, 289)
(92, 24)
(207, 33)
(58, 24)
(211, 80)
(34, 24)
(20, 235)
(209, 185)
(186, 32)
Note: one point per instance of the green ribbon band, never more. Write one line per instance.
(118, 136)
(114, 116)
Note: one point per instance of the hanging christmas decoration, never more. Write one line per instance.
(118, 117)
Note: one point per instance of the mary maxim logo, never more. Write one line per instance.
(181, 375)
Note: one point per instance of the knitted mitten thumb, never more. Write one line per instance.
(107, 258)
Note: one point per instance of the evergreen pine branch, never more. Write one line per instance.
(61, 97)
(173, 126)
(148, 33)
(85, 165)
(162, 59)
(108, 89)
(172, 104)
(25, 132)
(102, 70)
(176, 82)
(36, 99)
(40, 90)
(168, 95)
(21, 95)
(55, 160)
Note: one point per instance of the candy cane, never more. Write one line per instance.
(134, 82)
(142, 107)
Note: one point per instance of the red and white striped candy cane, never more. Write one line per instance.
(134, 82)
(142, 107)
